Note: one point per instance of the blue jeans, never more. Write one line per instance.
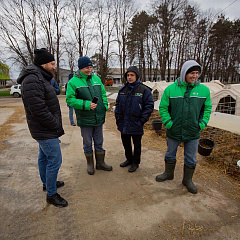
(49, 162)
(71, 114)
(95, 134)
(190, 151)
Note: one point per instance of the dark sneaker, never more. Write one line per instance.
(57, 200)
(58, 184)
(73, 124)
(133, 168)
(125, 164)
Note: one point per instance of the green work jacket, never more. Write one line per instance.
(80, 92)
(185, 110)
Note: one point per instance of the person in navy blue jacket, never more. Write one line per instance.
(55, 86)
(134, 105)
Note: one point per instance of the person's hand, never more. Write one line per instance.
(93, 106)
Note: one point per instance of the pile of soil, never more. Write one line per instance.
(226, 152)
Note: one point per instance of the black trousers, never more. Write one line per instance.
(127, 144)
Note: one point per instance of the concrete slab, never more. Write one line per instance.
(225, 121)
(5, 114)
(113, 96)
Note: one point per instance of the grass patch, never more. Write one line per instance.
(111, 89)
(4, 93)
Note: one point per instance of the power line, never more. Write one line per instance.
(225, 8)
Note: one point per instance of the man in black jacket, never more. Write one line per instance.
(44, 120)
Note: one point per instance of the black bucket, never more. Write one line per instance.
(157, 124)
(205, 146)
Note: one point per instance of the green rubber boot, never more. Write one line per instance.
(187, 179)
(169, 172)
(90, 163)
(100, 164)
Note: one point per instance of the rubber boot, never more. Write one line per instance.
(169, 172)
(100, 164)
(187, 179)
(90, 164)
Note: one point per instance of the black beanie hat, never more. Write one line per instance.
(42, 56)
(84, 62)
(194, 68)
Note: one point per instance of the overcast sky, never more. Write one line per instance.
(230, 8)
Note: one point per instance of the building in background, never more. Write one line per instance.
(4, 75)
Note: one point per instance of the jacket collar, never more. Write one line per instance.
(82, 75)
(179, 82)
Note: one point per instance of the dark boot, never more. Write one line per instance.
(133, 168)
(169, 172)
(126, 163)
(100, 164)
(90, 164)
(57, 200)
(187, 179)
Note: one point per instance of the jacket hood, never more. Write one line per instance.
(30, 69)
(132, 69)
(185, 67)
(33, 69)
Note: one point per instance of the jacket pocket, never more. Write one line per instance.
(135, 124)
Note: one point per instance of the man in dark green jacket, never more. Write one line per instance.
(81, 90)
(185, 109)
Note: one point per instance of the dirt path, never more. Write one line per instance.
(110, 205)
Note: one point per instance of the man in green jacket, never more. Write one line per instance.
(81, 90)
(185, 109)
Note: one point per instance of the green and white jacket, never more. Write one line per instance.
(80, 92)
(185, 108)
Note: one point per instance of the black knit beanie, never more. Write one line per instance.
(42, 56)
(194, 68)
(84, 62)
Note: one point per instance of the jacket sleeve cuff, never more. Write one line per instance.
(202, 125)
(106, 106)
(86, 105)
(169, 124)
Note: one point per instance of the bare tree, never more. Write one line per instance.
(52, 16)
(70, 50)
(45, 17)
(59, 18)
(124, 11)
(81, 26)
(167, 13)
(105, 27)
(18, 28)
